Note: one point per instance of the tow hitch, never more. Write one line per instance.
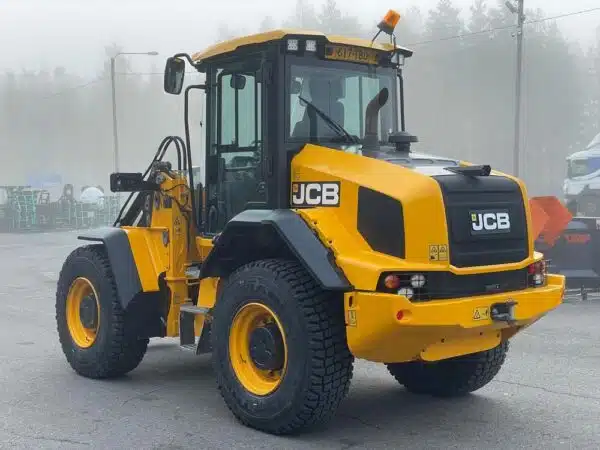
(503, 312)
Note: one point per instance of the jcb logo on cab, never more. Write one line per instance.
(490, 222)
(316, 194)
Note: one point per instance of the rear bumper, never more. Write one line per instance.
(439, 329)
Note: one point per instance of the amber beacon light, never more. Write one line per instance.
(389, 22)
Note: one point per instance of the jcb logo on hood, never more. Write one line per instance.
(316, 194)
(484, 222)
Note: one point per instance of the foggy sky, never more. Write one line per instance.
(43, 34)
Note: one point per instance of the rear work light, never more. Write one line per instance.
(409, 285)
(537, 274)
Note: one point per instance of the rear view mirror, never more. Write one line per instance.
(174, 75)
(296, 87)
(238, 82)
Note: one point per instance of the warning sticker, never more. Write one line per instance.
(481, 313)
(351, 318)
(443, 252)
(434, 252)
(438, 252)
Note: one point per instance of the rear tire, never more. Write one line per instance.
(451, 377)
(111, 350)
(318, 365)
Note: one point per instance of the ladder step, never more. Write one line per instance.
(189, 347)
(193, 309)
(193, 272)
(187, 319)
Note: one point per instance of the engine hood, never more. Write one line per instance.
(384, 171)
(423, 163)
(409, 201)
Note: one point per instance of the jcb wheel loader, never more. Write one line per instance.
(317, 237)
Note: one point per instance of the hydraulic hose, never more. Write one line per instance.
(129, 211)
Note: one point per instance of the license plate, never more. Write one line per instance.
(353, 54)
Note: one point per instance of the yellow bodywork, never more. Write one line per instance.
(441, 329)
(262, 38)
(424, 215)
(429, 331)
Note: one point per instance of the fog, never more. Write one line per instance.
(55, 91)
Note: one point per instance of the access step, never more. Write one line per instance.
(187, 333)
(193, 272)
(193, 309)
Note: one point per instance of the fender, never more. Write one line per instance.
(121, 259)
(259, 234)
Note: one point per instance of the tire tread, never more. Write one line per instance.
(453, 377)
(331, 363)
(123, 352)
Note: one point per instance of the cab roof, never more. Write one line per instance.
(277, 35)
(583, 154)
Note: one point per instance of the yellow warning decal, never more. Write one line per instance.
(443, 252)
(481, 313)
(438, 252)
(351, 317)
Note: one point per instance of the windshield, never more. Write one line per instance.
(359, 102)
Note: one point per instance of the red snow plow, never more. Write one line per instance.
(570, 244)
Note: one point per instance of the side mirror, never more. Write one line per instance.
(296, 87)
(174, 75)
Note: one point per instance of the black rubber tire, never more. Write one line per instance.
(320, 364)
(451, 377)
(114, 352)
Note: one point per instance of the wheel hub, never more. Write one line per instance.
(88, 312)
(267, 348)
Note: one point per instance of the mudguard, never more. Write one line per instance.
(250, 234)
(123, 266)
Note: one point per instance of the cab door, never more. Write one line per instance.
(235, 161)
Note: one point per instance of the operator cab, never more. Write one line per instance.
(271, 94)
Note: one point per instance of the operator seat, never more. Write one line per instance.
(325, 94)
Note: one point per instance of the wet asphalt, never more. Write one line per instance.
(547, 396)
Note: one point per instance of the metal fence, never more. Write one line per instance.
(27, 209)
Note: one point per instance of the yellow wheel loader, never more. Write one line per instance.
(316, 237)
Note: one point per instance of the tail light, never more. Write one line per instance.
(410, 285)
(537, 274)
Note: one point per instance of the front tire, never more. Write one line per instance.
(451, 377)
(90, 321)
(293, 367)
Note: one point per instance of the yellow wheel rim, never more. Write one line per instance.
(250, 317)
(82, 332)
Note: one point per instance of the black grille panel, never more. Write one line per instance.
(464, 194)
(443, 285)
(380, 221)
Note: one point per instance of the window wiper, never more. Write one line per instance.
(332, 123)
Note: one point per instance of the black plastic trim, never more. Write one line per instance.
(446, 285)
(123, 266)
(259, 234)
(380, 221)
